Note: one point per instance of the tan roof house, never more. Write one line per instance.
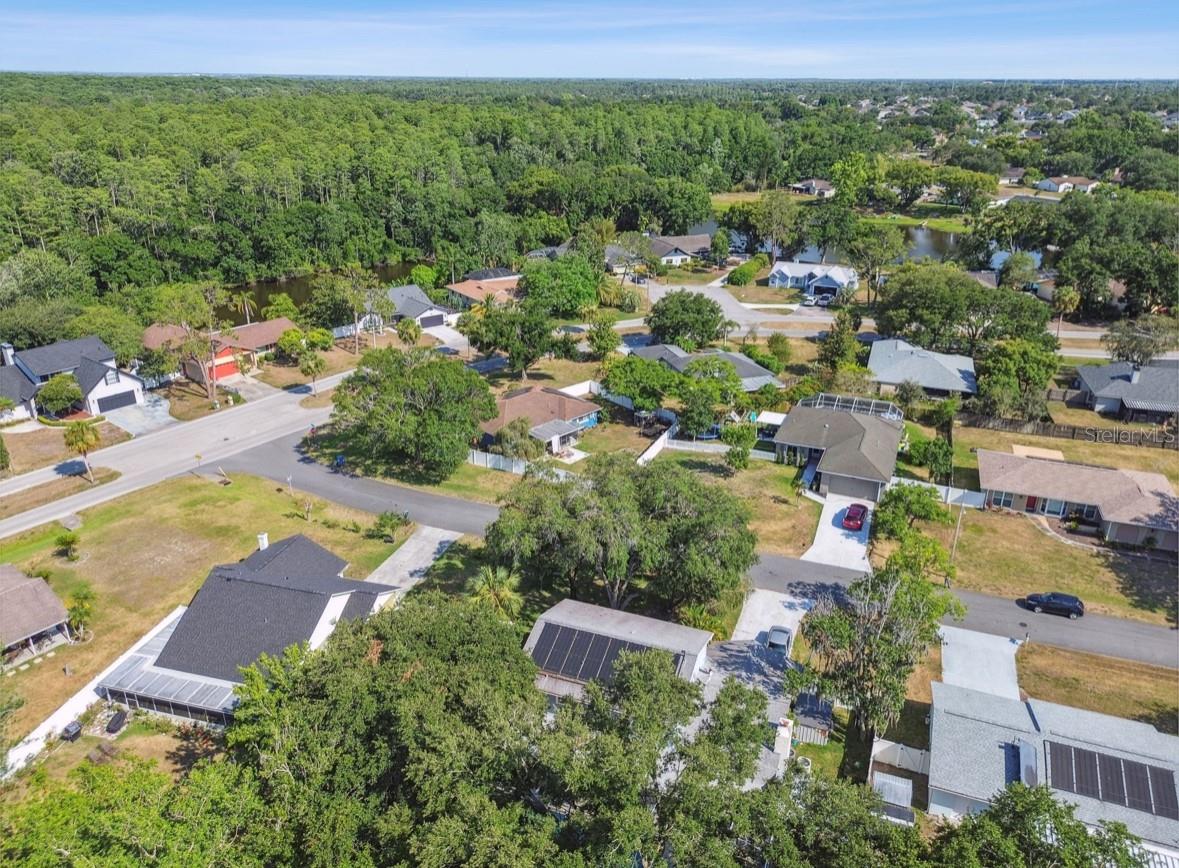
(467, 293)
(1131, 507)
(555, 418)
(29, 610)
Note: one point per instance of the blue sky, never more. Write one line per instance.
(639, 38)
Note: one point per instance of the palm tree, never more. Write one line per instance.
(80, 438)
(244, 303)
(1065, 300)
(408, 330)
(81, 608)
(497, 587)
(312, 364)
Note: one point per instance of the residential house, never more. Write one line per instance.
(469, 292)
(1045, 289)
(574, 643)
(30, 613)
(88, 360)
(409, 302)
(244, 342)
(847, 446)
(813, 278)
(816, 187)
(18, 389)
(1109, 768)
(283, 594)
(1130, 507)
(489, 273)
(1065, 183)
(678, 250)
(752, 375)
(1011, 176)
(1142, 394)
(941, 375)
(556, 419)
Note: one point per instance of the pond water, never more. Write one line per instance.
(922, 243)
(299, 288)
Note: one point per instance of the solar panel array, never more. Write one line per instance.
(580, 655)
(1112, 779)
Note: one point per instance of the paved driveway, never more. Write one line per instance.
(835, 546)
(137, 419)
(979, 661)
(766, 609)
(409, 564)
(448, 336)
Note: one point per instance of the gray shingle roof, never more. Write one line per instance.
(15, 385)
(971, 734)
(272, 599)
(91, 372)
(410, 301)
(858, 445)
(1157, 388)
(27, 606)
(894, 361)
(65, 355)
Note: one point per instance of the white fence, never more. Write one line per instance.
(593, 387)
(661, 442)
(900, 755)
(947, 493)
(517, 466)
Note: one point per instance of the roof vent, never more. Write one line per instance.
(263, 541)
(1135, 374)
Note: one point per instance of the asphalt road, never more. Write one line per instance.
(281, 459)
(1097, 634)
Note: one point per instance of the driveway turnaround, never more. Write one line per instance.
(139, 419)
(980, 661)
(835, 546)
(409, 564)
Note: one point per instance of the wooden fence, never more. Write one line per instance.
(1160, 439)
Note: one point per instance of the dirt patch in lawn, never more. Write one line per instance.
(341, 357)
(188, 400)
(148, 552)
(323, 399)
(1108, 685)
(46, 447)
(39, 495)
(553, 373)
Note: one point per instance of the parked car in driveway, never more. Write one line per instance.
(809, 301)
(72, 731)
(825, 300)
(779, 641)
(1056, 604)
(853, 519)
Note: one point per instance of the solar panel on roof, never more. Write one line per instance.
(575, 659)
(1085, 763)
(544, 645)
(1162, 788)
(1137, 786)
(1113, 782)
(1060, 767)
(594, 657)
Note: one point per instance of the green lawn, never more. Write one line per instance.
(147, 552)
(931, 217)
(827, 759)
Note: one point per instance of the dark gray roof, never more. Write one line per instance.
(411, 301)
(753, 376)
(15, 385)
(272, 599)
(295, 555)
(858, 445)
(488, 273)
(65, 355)
(91, 372)
(1157, 388)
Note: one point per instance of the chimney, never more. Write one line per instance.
(1135, 373)
(6, 350)
(263, 541)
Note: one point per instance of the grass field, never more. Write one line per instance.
(931, 216)
(1082, 417)
(46, 447)
(784, 523)
(39, 495)
(1008, 556)
(339, 358)
(1105, 684)
(148, 552)
(556, 373)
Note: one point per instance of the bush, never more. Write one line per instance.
(628, 301)
(5, 461)
(780, 348)
(60, 393)
(319, 339)
(760, 261)
(386, 525)
(766, 360)
(742, 275)
(67, 545)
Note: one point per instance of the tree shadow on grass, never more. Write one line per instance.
(327, 447)
(195, 743)
(1148, 582)
(1164, 718)
(702, 465)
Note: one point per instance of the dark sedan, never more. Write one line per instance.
(853, 519)
(1056, 604)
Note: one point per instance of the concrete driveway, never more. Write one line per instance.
(409, 564)
(980, 661)
(835, 546)
(448, 337)
(766, 609)
(734, 310)
(151, 415)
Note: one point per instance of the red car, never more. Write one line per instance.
(853, 519)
